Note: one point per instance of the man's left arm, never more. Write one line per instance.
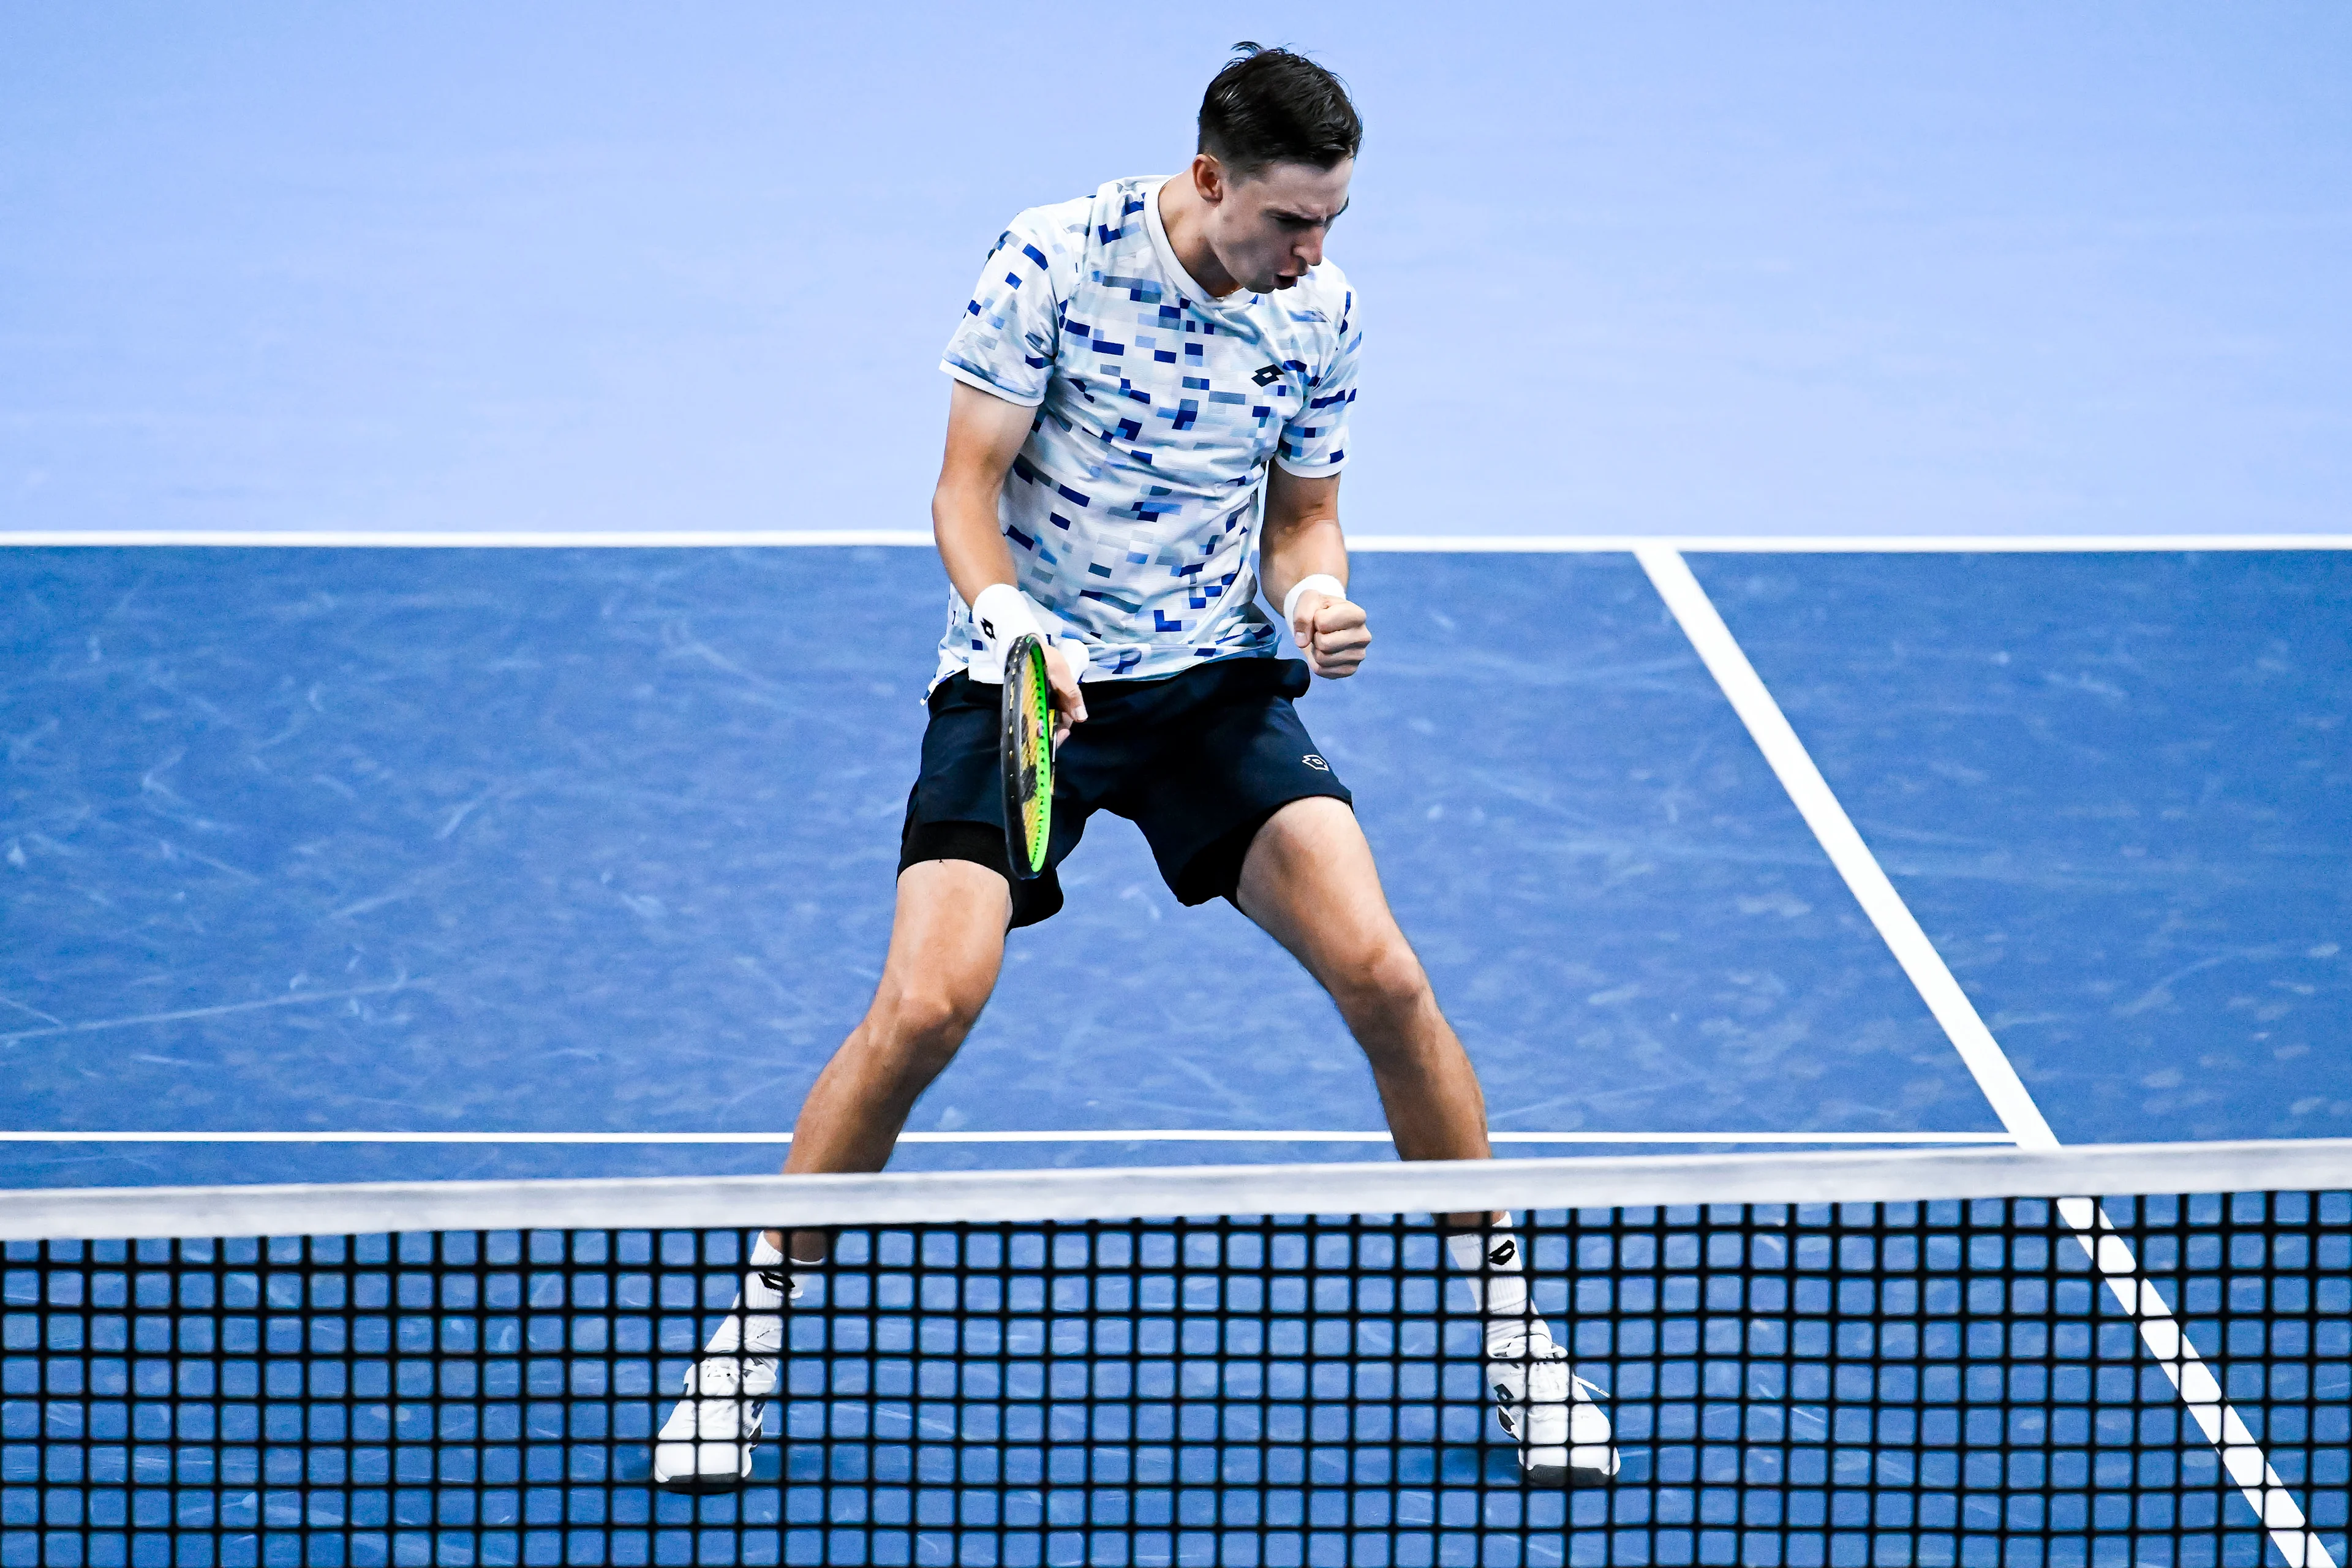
(1301, 542)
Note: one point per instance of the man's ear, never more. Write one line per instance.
(1208, 178)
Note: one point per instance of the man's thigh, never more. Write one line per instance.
(947, 934)
(1309, 881)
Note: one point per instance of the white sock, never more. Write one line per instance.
(765, 1257)
(754, 1325)
(1498, 1270)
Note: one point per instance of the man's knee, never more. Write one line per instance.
(918, 1026)
(1384, 985)
(931, 1014)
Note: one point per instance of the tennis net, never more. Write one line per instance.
(1941, 1358)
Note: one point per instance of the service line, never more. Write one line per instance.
(1370, 543)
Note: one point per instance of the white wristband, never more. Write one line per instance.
(1320, 583)
(1001, 613)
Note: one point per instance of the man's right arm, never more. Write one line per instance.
(985, 435)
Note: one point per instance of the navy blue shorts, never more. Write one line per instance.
(1198, 760)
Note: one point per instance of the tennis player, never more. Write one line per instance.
(1151, 381)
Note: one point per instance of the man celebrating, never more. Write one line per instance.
(1149, 380)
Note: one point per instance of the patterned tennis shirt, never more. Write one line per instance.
(1133, 506)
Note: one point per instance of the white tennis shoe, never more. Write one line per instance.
(1562, 1433)
(706, 1445)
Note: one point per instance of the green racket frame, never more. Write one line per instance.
(1027, 752)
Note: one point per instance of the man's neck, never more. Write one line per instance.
(1185, 216)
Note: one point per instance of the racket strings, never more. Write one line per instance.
(1028, 757)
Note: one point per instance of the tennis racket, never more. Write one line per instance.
(1027, 752)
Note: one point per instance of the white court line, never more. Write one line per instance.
(1091, 1135)
(2241, 1457)
(1370, 543)
(494, 539)
(1845, 848)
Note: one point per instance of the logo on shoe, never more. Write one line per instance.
(1502, 1408)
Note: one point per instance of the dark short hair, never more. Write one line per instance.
(1277, 106)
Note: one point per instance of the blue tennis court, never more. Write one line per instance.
(1851, 504)
(525, 846)
(511, 845)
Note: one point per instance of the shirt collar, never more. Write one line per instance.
(1240, 300)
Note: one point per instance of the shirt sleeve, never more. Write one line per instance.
(1315, 440)
(1005, 343)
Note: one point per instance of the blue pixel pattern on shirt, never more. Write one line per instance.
(1132, 507)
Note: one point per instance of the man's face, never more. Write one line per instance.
(1267, 228)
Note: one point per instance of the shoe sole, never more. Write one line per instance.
(708, 1483)
(1564, 1476)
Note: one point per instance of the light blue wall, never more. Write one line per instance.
(1736, 268)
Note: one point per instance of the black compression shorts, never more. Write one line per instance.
(1198, 760)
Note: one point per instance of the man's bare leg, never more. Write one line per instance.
(947, 945)
(1309, 881)
(946, 942)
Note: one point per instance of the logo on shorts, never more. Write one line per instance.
(1312, 761)
(1267, 374)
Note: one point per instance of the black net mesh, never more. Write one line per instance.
(1900, 1383)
